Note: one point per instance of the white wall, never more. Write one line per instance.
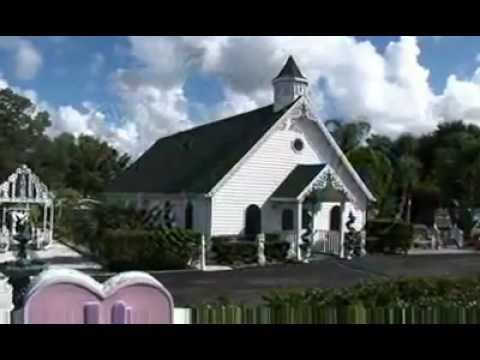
(257, 179)
(265, 169)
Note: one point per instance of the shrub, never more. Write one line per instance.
(229, 250)
(387, 235)
(239, 249)
(126, 249)
(419, 292)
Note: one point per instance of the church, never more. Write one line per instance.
(272, 170)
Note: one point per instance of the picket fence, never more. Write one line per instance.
(333, 315)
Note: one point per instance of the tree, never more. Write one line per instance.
(349, 135)
(22, 130)
(376, 170)
(94, 163)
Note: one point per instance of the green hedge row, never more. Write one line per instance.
(230, 250)
(119, 238)
(384, 235)
(145, 249)
(418, 292)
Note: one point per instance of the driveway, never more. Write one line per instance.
(248, 285)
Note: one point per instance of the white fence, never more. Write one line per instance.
(329, 242)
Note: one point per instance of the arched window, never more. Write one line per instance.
(253, 220)
(287, 219)
(189, 216)
(335, 218)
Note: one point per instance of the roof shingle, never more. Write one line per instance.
(297, 181)
(196, 160)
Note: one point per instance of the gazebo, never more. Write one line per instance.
(24, 196)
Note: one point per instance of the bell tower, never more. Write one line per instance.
(288, 85)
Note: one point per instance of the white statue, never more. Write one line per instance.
(261, 249)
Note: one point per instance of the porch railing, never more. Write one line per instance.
(327, 241)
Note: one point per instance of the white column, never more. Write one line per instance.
(51, 224)
(45, 219)
(299, 231)
(342, 232)
(203, 262)
(4, 219)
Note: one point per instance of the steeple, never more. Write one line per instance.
(288, 85)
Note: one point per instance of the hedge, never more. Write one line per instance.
(418, 292)
(148, 250)
(230, 250)
(385, 235)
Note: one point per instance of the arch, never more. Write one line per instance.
(335, 218)
(253, 220)
(189, 216)
(287, 219)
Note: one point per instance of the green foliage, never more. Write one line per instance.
(230, 250)
(85, 164)
(385, 235)
(135, 249)
(419, 292)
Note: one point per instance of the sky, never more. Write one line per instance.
(130, 91)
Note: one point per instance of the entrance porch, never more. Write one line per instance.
(310, 210)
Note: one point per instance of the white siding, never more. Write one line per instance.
(201, 208)
(256, 180)
(265, 169)
(323, 149)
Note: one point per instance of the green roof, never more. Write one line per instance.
(196, 160)
(298, 180)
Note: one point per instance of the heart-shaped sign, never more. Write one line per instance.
(67, 296)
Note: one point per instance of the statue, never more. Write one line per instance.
(169, 216)
(353, 239)
(261, 249)
(307, 235)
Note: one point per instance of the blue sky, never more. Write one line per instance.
(67, 72)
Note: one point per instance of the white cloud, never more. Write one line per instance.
(97, 63)
(28, 59)
(391, 90)
(348, 79)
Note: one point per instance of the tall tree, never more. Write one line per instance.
(349, 135)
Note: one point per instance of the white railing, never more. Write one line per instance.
(326, 241)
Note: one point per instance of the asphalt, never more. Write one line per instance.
(249, 285)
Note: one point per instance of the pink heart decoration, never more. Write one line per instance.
(66, 296)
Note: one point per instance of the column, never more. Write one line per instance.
(203, 260)
(4, 219)
(342, 232)
(51, 224)
(45, 219)
(299, 231)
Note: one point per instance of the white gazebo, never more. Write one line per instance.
(19, 194)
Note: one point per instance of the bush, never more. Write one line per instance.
(419, 292)
(229, 250)
(239, 249)
(124, 249)
(387, 235)
(120, 239)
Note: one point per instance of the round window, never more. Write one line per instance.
(298, 145)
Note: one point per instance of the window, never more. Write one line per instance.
(298, 145)
(189, 216)
(335, 218)
(287, 219)
(253, 220)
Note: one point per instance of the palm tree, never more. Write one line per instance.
(407, 170)
(349, 135)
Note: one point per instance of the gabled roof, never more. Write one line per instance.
(300, 177)
(290, 70)
(196, 160)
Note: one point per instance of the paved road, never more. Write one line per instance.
(248, 285)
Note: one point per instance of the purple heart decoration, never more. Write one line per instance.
(66, 296)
